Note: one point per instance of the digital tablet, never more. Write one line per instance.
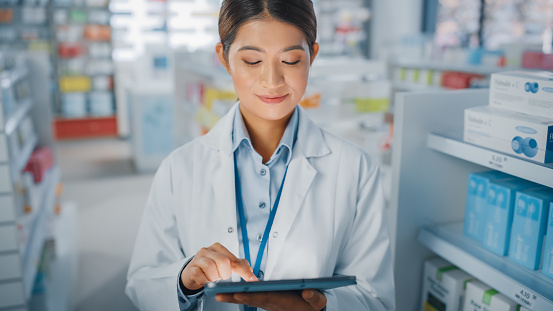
(211, 289)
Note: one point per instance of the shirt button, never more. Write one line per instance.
(260, 274)
(262, 205)
(275, 234)
(230, 229)
(263, 172)
(259, 237)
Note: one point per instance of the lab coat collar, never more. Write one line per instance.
(310, 138)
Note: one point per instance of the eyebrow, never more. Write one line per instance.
(253, 48)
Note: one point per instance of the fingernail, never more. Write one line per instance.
(309, 294)
(253, 278)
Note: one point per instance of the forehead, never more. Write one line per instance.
(268, 34)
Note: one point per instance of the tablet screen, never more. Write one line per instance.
(211, 289)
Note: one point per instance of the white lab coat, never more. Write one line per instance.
(331, 220)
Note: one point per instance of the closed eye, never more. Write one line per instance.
(294, 63)
(252, 63)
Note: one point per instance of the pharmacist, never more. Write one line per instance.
(212, 201)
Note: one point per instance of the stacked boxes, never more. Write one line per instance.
(480, 297)
(475, 210)
(529, 226)
(548, 247)
(499, 213)
(519, 118)
(443, 286)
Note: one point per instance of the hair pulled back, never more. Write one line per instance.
(234, 13)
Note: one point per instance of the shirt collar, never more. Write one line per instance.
(240, 134)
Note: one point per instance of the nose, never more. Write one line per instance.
(271, 76)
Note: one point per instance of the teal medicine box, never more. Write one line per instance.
(548, 248)
(529, 226)
(477, 190)
(499, 213)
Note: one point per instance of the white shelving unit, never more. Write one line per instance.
(429, 183)
(23, 231)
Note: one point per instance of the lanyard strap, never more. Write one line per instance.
(242, 216)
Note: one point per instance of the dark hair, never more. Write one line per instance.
(234, 13)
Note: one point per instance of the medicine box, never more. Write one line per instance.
(510, 132)
(499, 213)
(529, 92)
(477, 190)
(443, 286)
(529, 226)
(480, 297)
(548, 246)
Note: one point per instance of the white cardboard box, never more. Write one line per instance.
(443, 286)
(529, 92)
(481, 297)
(511, 132)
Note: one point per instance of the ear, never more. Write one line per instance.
(219, 49)
(315, 52)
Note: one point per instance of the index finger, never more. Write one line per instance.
(236, 264)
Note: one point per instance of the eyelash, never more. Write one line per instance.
(255, 63)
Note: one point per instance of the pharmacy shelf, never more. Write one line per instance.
(26, 152)
(33, 250)
(413, 87)
(525, 169)
(531, 289)
(9, 77)
(17, 116)
(478, 69)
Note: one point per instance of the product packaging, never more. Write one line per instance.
(548, 247)
(477, 190)
(529, 92)
(499, 213)
(101, 103)
(529, 226)
(443, 286)
(510, 132)
(480, 297)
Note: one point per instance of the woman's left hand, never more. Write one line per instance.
(309, 300)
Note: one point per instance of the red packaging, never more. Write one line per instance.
(532, 59)
(40, 162)
(458, 80)
(69, 50)
(547, 62)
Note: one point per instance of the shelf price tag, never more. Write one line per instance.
(498, 161)
(525, 297)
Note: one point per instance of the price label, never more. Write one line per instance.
(525, 297)
(497, 161)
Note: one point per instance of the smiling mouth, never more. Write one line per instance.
(272, 99)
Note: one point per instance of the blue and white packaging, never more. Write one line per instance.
(529, 226)
(477, 190)
(499, 213)
(510, 132)
(530, 92)
(548, 246)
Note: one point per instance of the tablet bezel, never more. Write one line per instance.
(213, 288)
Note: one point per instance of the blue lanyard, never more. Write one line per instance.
(245, 239)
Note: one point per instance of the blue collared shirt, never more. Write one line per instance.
(260, 183)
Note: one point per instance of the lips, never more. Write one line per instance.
(272, 99)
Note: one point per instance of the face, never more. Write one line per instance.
(269, 63)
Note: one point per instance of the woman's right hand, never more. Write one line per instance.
(214, 263)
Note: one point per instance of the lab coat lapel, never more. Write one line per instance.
(310, 143)
(298, 181)
(220, 138)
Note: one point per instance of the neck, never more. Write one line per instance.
(265, 135)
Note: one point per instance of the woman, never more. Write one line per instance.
(212, 200)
